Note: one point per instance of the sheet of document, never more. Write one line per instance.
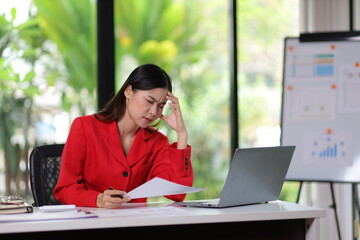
(39, 215)
(160, 187)
(139, 211)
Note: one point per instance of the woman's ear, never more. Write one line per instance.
(128, 91)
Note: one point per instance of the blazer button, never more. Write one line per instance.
(125, 174)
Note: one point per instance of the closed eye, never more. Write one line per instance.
(161, 106)
(152, 100)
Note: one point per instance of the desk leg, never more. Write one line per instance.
(312, 229)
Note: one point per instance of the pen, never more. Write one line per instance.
(86, 212)
(115, 195)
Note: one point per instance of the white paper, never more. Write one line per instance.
(57, 208)
(137, 211)
(160, 187)
(41, 216)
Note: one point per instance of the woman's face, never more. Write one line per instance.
(144, 107)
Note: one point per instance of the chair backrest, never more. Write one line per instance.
(44, 172)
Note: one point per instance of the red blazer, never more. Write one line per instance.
(93, 160)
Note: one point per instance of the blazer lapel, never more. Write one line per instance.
(113, 141)
(139, 148)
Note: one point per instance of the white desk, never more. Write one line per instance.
(276, 220)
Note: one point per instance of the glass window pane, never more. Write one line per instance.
(262, 27)
(48, 77)
(189, 39)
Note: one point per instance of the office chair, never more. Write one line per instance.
(44, 171)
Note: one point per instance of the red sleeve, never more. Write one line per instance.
(70, 188)
(174, 165)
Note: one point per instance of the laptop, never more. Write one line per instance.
(256, 175)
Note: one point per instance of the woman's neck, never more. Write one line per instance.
(126, 127)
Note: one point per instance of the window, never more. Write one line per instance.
(48, 76)
(189, 39)
(262, 27)
(50, 66)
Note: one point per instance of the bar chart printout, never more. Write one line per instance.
(329, 151)
(325, 149)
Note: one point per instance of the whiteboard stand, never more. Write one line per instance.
(333, 205)
(335, 209)
(355, 201)
(299, 191)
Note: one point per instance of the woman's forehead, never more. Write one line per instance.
(157, 94)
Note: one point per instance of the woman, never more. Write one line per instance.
(117, 149)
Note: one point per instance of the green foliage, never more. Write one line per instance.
(158, 31)
(18, 44)
(289, 191)
(71, 25)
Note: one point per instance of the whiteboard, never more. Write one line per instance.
(321, 109)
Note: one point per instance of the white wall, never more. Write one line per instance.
(324, 15)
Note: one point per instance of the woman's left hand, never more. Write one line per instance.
(175, 120)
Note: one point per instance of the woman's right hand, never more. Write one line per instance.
(111, 199)
(175, 121)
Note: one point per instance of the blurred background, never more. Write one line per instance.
(48, 75)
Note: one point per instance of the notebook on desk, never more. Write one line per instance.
(256, 175)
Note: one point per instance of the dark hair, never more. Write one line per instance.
(144, 77)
